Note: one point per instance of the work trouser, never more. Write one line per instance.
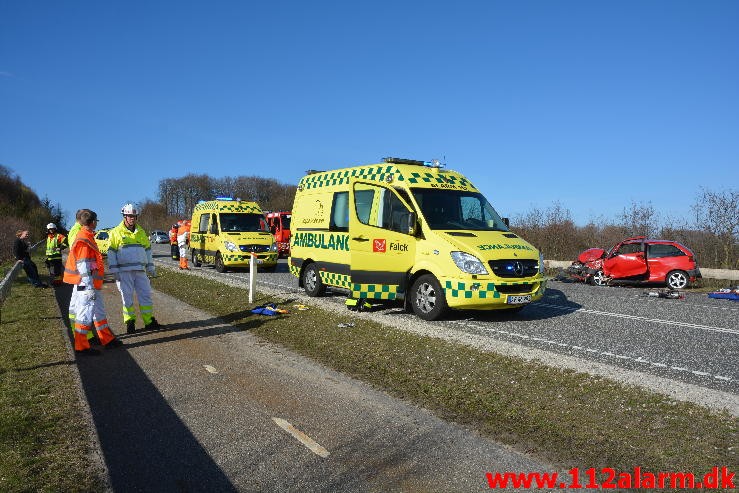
(135, 281)
(73, 313)
(175, 251)
(29, 266)
(182, 243)
(56, 269)
(87, 312)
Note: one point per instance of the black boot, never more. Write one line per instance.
(153, 325)
(131, 327)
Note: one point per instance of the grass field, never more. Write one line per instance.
(44, 443)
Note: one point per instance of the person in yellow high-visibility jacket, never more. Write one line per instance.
(130, 260)
(55, 243)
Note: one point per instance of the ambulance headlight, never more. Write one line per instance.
(469, 263)
(273, 248)
(541, 262)
(230, 246)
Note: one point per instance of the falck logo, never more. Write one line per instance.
(379, 246)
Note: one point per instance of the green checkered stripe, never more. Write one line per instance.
(229, 258)
(452, 179)
(454, 289)
(229, 206)
(295, 270)
(464, 290)
(332, 178)
(338, 280)
(375, 291)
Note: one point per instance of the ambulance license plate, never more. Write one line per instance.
(518, 300)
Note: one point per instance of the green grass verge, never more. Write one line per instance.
(568, 418)
(44, 443)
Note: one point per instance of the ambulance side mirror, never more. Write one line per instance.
(412, 223)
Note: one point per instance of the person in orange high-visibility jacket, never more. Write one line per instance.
(85, 270)
(175, 251)
(183, 240)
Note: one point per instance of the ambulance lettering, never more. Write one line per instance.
(322, 241)
(379, 246)
(505, 246)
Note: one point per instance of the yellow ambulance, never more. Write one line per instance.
(226, 233)
(410, 230)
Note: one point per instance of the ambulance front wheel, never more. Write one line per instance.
(427, 298)
(312, 281)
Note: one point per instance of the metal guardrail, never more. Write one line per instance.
(7, 282)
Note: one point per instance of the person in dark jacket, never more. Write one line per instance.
(21, 254)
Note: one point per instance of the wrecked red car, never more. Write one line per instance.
(638, 260)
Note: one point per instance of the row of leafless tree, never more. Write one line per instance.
(712, 234)
(178, 196)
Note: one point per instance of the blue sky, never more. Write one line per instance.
(594, 105)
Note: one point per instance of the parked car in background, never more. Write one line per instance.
(638, 260)
(102, 238)
(159, 236)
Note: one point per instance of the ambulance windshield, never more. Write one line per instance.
(457, 210)
(243, 223)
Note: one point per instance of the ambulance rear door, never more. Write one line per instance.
(381, 242)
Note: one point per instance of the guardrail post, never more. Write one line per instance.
(252, 276)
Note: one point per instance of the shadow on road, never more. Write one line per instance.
(145, 445)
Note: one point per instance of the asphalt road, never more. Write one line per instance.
(694, 340)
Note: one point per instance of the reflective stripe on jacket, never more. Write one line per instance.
(54, 245)
(129, 250)
(84, 262)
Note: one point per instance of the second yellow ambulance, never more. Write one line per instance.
(410, 230)
(228, 233)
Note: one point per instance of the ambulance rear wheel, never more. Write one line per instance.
(195, 260)
(220, 266)
(312, 281)
(427, 298)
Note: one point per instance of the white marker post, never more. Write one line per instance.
(252, 276)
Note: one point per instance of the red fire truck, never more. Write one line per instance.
(279, 224)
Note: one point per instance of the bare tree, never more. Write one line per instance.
(718, 213)
(639, 219)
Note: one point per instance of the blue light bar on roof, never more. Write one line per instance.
(224, 198)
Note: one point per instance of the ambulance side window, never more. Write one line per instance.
(394, 215)
(203, 224)
(363, 199)
(340, 212)
(380, 207)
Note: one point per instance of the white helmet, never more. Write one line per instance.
(129, 209)
(51, 226)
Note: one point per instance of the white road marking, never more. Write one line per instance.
(210, 369)
(596, 351)
(643, 319)
(312, 445)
